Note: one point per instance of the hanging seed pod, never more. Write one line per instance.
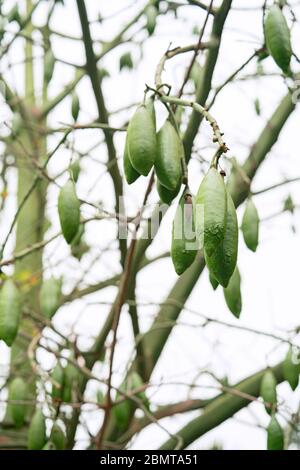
(10, 312)
(250, 226)
(58, 437)
(71, 377)
(232, 294)
(275, 435)
(141, 137)
(69, 211)
(122, 411)
(257, 106)
(49, 446)
(165, 194)
(222, 262)
(291, 370)
(278, 38)
(135, 382)
(211, 211)
(49, 66)
(126, 61)
(131, 174)
(37, 431)
(151, 15)
(75, 170)
(268, 391)
(214, 283)
(58, 378)
(50, 296)
(100, 397)
(17, 393)
(168, 164)
(183, 251)
(75, 106)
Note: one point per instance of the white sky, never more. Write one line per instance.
(270, 276)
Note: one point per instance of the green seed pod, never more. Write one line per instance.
(49, 446)
(17, 392)
(213, 281)
(165, 194)
(291, 370)
(222, 262)
(250, 225)
(141, 137)
(268, 390)
(211, 211)
(126, 61)
(75, 106)
(75, 170)
(168, 164)
(278, 38)
(275, 435)
(37, 431)
(100, 397)
(122, 411)
(151, 15)
(257, 106)
(232, 294)
(50, 297)
(131, 174)
(71, 377)
(183, 251)
(10, 312)
(289, 204)
(58, 378)
(134, 382)
(49, 66)
(58, 437)
(69, 211)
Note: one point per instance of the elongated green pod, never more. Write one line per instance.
(291, 370)
(268, 390)
(75, 170)
(17, 393)
(183, 248)
(69, 211)
(58, 437)
(168, 164)
(50, 297)
(250, 226)
(141, 136)
(126, 61)
(151, 15)
(57, 376)
(165, 194)
(37, 431)
(10, 312)
(211, 211)
(222, 262)
(278, 38)
(131, 174)
(75, 107)
(71, 378)
(275, 435)
(49, 66)
(232, 294)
